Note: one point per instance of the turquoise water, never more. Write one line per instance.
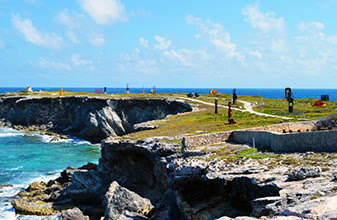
(27, 157)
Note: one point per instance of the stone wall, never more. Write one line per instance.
(318, 141)
(206, 139)
(220, 137)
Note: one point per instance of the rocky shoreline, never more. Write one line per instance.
(148, 179)
(89, 118)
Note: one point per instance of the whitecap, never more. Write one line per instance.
(14, 168)
(8, 192)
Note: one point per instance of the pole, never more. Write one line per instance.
(216, 106)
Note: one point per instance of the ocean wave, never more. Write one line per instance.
(73, 140)
(7, 193)
(14, 168)
(9, 132)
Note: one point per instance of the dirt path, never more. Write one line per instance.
(247, 105)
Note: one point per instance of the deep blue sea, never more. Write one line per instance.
(267, 93)
(27, 157)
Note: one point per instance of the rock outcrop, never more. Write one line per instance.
(90, 118)
(120, 202)
(148, 179)
(73, 214)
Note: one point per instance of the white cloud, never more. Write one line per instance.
(277, 44)
(78, 61)
(72, 37)
(255, 53)
(71, 20)
(133, 62)
(163, 44)
(179, 55)
(332, 39)
(50, 64)
(104, 11)
(143, 42)
(311, 27)
(266, 22)
(96, 40)
(34, 36)
(217, 36)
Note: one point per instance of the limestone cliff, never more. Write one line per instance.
(89, 118)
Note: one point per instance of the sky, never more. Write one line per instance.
(168, 43)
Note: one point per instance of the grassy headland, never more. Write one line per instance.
(204, 120)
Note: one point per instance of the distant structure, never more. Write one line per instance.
(235, 97)
(325, 98)
(61, 92)
(98, 91)
(28, 89)
(290, 99)
(154, 90)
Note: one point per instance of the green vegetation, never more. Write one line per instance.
(223, 99)
(302, 107)
(204, 121)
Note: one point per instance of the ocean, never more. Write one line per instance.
(27, 157)
(267, 93)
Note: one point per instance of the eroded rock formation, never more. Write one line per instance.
(90, 118)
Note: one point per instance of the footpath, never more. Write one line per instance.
(247, 105)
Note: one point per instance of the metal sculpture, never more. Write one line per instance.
(230, 114)
(290, 99)
(235, 97)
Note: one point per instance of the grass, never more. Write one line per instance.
(223, 99)
(208, 122)
(302, 107)
(187, 123)
(205, 121)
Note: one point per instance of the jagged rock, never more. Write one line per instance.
(119, 201)
(334, 176)
(321, 208)
(88, 166)
(26, 207)
(270, 206)
(36, 186)
(189, 187)
(73, 214)
(87, 188)
(303, 173)
(90, 118)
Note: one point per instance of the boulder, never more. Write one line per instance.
(73, 214)
(120, 201)
(26, 207)
(303, 173)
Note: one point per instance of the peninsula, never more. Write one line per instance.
(167, 156)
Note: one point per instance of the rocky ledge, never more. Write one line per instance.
(90, 118)
(148, 179)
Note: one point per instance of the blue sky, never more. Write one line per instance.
(191, 43)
